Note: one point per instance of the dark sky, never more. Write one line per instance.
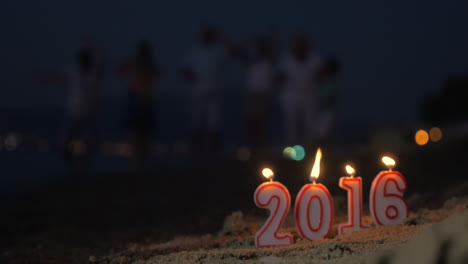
(393, 52)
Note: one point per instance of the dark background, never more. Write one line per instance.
(394, 54)
(404, 67)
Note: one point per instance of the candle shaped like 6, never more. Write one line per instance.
(387, 205)
(314, 207)
(354, 187)
(275, 197)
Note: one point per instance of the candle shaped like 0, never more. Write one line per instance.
(354, 187)
(314, 207)
(275, 197)
(387, 205)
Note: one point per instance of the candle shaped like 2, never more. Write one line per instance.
(387, 205)
(275, 197)
(354, 187)
(314, 207)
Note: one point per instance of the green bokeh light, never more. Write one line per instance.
(299, 153)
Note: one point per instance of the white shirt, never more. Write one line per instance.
(260, 77)
(301, 79)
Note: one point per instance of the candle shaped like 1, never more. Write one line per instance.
(275, 197)
(387, 205)
(354, 187)
(314, 207)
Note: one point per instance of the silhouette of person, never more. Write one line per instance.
(260, 82)
(84, 78)
(326, 115)
(142, 73)
(202, 69)
(298, 74)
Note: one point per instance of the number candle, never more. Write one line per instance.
(354, 187)
(387, 205)
(314, 207)
(275, 197)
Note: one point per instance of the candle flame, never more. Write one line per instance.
(350, 170)
(267, 172)
(389, 162)
(316, 168)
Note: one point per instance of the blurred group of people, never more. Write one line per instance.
(84, 77)
(303, 81)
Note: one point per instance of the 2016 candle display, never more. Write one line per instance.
(353, 185)
(314, 207)
(387, 205)
(275, 197)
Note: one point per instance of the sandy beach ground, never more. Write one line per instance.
(235, 243)
(76, 238)
(204, 213)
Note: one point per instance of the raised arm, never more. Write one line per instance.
(231, 50)
(239, 52)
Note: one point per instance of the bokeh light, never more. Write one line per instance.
(300, 153)
(435, 134)
(123, 149)
(11, 141)
(289, 153)
(421, 137)
(243, 153)
(77, 147)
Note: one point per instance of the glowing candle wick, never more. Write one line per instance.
(389, 162)
(350, 170)
(314, 174)
(268, 173)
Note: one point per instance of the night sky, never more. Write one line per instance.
(393, 53)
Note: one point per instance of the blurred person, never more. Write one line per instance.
(326, 116)
(142, 73)
(202, 69)
(84, 78)
(298, 74)
(260, 82)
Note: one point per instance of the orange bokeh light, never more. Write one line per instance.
(421, 137)
(435, 134)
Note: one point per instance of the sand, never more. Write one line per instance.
(424, 230)
(120, 217)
